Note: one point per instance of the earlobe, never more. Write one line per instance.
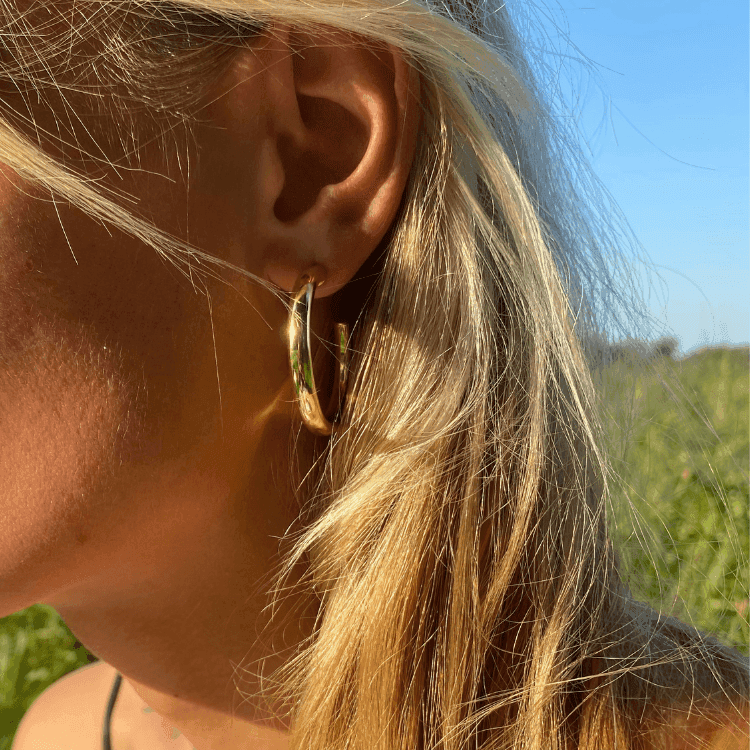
(345, 150)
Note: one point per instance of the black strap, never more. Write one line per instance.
(110, 707)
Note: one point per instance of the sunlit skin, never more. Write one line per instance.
(144, 459)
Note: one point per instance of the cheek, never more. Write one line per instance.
(74, 387)
(63, 425)
(96, 302)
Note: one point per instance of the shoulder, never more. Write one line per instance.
(711, 730)
(731, 730)
(69, 713)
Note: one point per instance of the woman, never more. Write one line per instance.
(427, 563)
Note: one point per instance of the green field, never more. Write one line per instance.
(679, 439)
(680, 516)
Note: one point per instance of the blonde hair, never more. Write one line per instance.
(453, 529)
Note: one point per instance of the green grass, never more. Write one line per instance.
(680, 516)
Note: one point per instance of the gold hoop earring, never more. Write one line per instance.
(300, 360)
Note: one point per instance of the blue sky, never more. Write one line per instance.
(677, 71)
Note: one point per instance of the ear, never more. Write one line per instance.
(340, 120)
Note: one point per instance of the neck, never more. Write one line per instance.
(202, 727)
(196, 639)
